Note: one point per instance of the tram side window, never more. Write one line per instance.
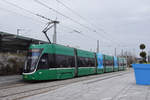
(86, 62)
(82, 62)
(63, 61)
(60, 61)
(71, 61)
(43, 63)
(108, 62)
(124, 64)
(51, 60)
(91, 62)
(120, 63)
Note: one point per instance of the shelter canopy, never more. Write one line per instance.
(16, 42)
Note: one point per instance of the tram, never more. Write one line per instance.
(54, 62)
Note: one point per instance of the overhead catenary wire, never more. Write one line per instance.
(41, 15)
(4, 9)
(38, 15)
(89, 28)
(74, 12)
(87, 21)
(71, 9)
(75, 21)
(35, 14)
(65, 16)
(80, 33)
(75, 30)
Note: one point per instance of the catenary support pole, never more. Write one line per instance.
(97, 46)
(55, 33)
(122, 52)
(115, 52)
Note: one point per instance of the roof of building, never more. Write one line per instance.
(16, 42)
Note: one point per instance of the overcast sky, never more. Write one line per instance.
(121, 24)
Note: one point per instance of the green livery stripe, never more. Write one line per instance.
(86, 71)
(65, 73)
(59, 73)
(109, 69)
(115, 69)
(121, 68)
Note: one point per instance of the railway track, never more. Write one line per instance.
(41, 89)
(23, 90)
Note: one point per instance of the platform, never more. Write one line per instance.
(122, 87)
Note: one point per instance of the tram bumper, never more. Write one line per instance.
(28, 77)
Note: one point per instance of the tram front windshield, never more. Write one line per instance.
(32, 59)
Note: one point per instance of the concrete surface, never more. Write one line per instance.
(117, 88)
(14, 88)
(12, 78)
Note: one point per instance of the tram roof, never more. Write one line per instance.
(16, 42)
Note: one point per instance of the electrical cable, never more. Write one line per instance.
(43, 4)
(35, 14)
(45, 17)
(83, 18)
(4, 9)
(75, 21)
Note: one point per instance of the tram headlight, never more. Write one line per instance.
(40, 73)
